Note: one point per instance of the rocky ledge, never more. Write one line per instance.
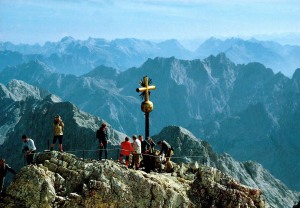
(63, 180)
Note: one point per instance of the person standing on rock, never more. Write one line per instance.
(145, 147)
(137, 156)
(28, 149)
(167, 150)
(102, 136)
(126, 149)
(152, 156)
(3, 170)
(58, 132)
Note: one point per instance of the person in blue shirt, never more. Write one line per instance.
(28, 149)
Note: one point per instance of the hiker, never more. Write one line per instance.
(102, 136)
(151, 153)
(126, 149)
(3, 170)
(151, 143)
(137, 157)
(167, 150)
(58, 132)
(28, 149)
(145, 149)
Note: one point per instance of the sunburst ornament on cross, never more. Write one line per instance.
(145, 83)
(147, 105)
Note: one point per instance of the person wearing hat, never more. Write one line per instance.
(102, 136)
(28, 149)
(58, 132)
(3, 170)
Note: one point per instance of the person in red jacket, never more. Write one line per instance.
(126, 149)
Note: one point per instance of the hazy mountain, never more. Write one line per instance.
(34, 110)
(239, 109)
(70, 56)
(280, 58)
(10, 58)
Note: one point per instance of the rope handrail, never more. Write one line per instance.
(111, 149)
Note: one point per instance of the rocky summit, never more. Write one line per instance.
(63, 180)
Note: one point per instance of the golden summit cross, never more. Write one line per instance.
(147, 105)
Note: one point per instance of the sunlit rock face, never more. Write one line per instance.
(63, 180)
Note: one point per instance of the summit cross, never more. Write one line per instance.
(147, 105)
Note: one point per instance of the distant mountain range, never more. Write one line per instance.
(28, 109)
(244, 110)
(71, 56)
(280, 58)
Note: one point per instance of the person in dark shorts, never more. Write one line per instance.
(58, 132)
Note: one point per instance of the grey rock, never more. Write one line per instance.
(117, 186)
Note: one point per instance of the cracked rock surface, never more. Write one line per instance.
(63, 180)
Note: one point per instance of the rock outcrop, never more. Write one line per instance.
(63, 180)
(189, 149)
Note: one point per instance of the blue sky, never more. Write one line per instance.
(37, 21)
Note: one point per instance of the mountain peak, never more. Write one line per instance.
(103, 72)
(170, 43)
(53, 98)
(296, 74)
(63, 178)
(177, 131)
(67, 39)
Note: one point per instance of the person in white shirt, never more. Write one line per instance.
(137, 150)
(28, 149)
